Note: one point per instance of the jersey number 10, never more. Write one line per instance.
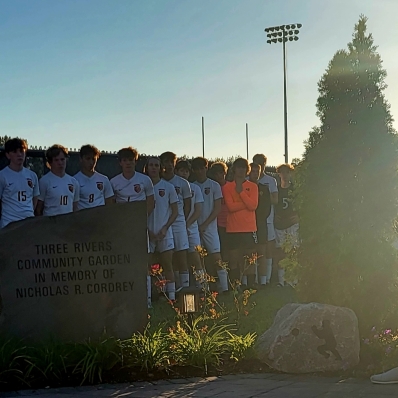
(64, 200)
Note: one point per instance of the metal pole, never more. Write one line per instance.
(285, 96)
(247, 141)
(203, 136)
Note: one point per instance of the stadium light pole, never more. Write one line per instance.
(283, 34)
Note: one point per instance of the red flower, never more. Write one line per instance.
(155, 267)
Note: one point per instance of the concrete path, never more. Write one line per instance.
(242, 386)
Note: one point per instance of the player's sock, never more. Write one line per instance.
(244, 280)
(223, 279)
(177, 279)
(171, 290)
(200, 278)
(251, 280)
(149, 291)
(184, 278)
(234, 275)
(263, 279)
(281, 276)
(269, 270)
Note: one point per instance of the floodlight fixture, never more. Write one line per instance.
(283, 34)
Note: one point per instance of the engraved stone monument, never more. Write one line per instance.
(75, 276)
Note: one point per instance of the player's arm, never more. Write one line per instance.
(197, 209)
(39, 208)
(76, 196)
(110, 200)
(108, 193)
(187, 195)
(232, 206)
(150, 196)
(150, 204)
(40, 202)
(250, 198)
(213, 215)
(273, 188)
(34, 202)
(172, 218)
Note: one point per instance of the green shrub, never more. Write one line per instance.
(346, 189)
(13, 361)
(93, 358)
(148, 350)
(198, 344)
(240, 346)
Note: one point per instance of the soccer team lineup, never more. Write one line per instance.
(230, 213)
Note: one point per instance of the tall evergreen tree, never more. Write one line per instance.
(347, 187)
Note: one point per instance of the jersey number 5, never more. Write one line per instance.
(285, 203)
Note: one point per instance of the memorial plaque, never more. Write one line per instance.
(76, 275)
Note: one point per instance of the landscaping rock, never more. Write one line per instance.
(306, 338)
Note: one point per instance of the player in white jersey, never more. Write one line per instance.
(160, 221)
(207, 220)
(59, 192)
(270, 182)
(130, 185)
(180, 261)
(19, 187)
(183, 169)
(95, 188)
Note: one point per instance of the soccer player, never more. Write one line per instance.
(218, 172)
(181, 244)
(183, 169)
(262, 213)
(207, 220)
(286, 219)
(130, 185)
(269, 181)
(241, 198)
(59, 192)
(19, 187)
(95, 188)
(160, 221)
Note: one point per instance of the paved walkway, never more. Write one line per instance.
(242, 386)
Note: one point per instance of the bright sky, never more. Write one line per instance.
(116, 73)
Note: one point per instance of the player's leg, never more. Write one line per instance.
(194, 259)
(211, 242)
(166, 260)
(279, 254)
(270, 250)
(249, 255)
(262, 236)
(180, 256)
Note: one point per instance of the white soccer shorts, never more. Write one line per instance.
(291, 234)
(211, 240)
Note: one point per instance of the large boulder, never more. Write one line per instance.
(306, 338)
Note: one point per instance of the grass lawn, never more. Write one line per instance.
(265, 304)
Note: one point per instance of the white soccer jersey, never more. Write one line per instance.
(273, 187)
(93, 190)
(197, 197)
(17, 190)
(211, 191)
(165, 195)
(58, 194)
(137, 188)
(183, 191)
